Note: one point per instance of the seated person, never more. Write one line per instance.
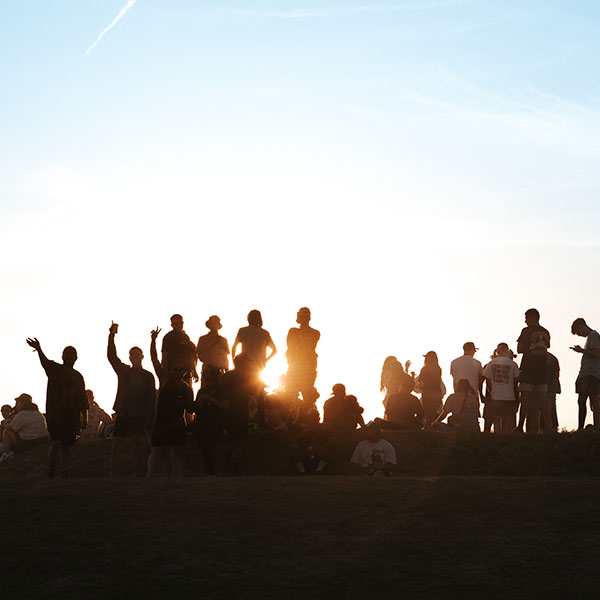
(341, 412)
(97, 419)
(461, 409)
(404, 411)
(312, 445)
(27, 428)
(374, 456)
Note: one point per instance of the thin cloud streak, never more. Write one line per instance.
(290, 14)
(129, 5)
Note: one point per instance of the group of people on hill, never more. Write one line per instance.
(234, 400)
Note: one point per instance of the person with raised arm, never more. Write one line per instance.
(66, 406)
(134, 403)
(160, 371)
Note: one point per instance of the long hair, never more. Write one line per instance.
(386, 371)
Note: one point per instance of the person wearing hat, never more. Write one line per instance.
(374, 456)
(213, 350)
(27, 428)
(469, 368)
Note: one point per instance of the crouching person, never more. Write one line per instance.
(312, 446)
(374, 456)
(26, 429)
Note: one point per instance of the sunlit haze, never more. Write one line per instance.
(418, 173)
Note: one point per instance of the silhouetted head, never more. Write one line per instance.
(463, 386)
(135, 356)
(373, 433)
(90, 396)
(177, 371)
(469, 349)
(210, 375)
(23, 402)
(242, 361)
(214, 323)
(502, 350)
(303, 316)
(580, 327)
(532, 316)
(69, 356)
(6, 410)
(431, 359)
(255, 318)
(177, 322)
(310, 396)
(339, 390)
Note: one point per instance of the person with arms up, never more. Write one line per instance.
(134, 403)
(502, 376)
(213, 350)
(533, 344)
(587, 384)
(66, 405)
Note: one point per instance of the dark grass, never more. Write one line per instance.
(416, 535)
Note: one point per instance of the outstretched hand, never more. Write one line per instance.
(154, 333)
(577, 349)
(34, 343)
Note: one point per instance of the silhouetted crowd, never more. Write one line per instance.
(234, 403)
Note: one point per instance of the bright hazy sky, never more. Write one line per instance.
(417, 172)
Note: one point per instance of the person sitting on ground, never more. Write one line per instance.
(374, 456)
(134, 404)
(209, 422)
(312, 446)
(26, 429)
(7, 412)
(461, 409)
(66, 405)
(502, 377)
(169, 429)
(97, 419)
(213, 349)
(404, 410)
(431, 387)
(341, 412)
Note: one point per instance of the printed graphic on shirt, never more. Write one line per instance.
(539, 343)
(501, 374)
(377, 456)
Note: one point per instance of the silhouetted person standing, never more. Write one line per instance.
(169, 433)
(587, 384)
(429, 383)
(178, 348)
(213, 349)
(533, 344)
(554, 387)
(302, 357)
(134, 404)
(66, 405)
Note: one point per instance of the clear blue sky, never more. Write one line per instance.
(388, 163)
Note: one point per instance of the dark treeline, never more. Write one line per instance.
(161, 409)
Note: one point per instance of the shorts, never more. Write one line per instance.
(587, 386)
(126, 426)
(502, 408)
(533, 387)
(170, 433)
(64, 429)
(23, 445)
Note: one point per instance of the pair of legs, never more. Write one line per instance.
(534, 405)
(432, 406)
(9, 439)
(58, 450)
(166, 460)
(505, 423)
(594, 405)
(119, 443)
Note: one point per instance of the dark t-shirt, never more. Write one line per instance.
(403, 408)
(534, 341)
(173, 399)
(179, 348)
(431, 381)
(342, 413)
(237, 387)
(66, 390)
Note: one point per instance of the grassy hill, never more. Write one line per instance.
(449, 525)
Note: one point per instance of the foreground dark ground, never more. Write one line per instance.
(413, 535)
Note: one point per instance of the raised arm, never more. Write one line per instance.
(35, 344)
(111, 351)
(158, 368)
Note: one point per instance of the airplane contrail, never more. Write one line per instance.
(129, 4)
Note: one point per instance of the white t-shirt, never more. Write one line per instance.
(502, 372)
(374, 453)
(29, 424)
(469, 368)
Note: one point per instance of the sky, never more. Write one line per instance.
(419, 173)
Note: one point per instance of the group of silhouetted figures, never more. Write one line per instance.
(234, 401)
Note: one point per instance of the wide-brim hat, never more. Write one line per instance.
(214, 322)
